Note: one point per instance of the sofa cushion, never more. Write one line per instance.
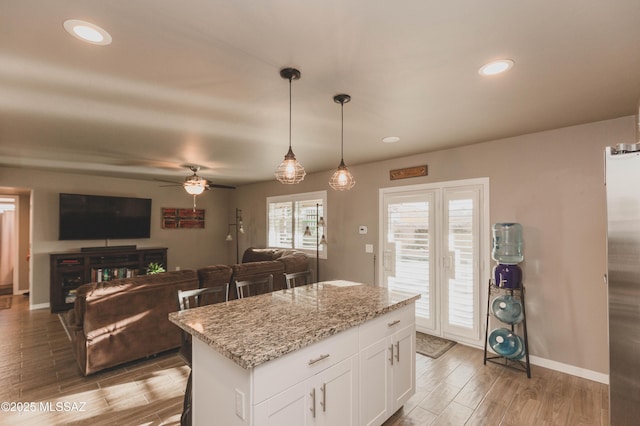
(294, 261)
(213, 276)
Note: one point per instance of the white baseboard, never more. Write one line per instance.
(570, 369)
(562, 368)
(39, 306)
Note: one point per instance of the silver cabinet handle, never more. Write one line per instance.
(320, 358)
(324, 397)
(313, 402)
(398, 352)
(391, 324)
(391, 349)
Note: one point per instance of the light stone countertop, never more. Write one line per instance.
(257, 329)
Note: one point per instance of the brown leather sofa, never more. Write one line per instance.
(123, 320)
(262, 262)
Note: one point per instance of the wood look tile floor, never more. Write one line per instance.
(456, 389)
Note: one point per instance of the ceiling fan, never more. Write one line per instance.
(196, 185)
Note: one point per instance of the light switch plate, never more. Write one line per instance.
(368, 248)
(362, 229)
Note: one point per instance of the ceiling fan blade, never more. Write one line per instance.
(216, 185)
(169, 181)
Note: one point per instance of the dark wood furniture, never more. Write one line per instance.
(70, 270)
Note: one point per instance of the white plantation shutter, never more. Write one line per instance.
(305, 213)
(461, 261)
(280, 225)
(288, 218)
(408, 249)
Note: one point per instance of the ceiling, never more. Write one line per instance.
(197, 82)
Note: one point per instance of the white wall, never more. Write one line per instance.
(188, 248)
(550, 182)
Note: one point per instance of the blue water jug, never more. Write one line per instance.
(507, 309)
(507, 243)
(506, 343)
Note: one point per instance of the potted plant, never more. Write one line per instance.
(155, 268)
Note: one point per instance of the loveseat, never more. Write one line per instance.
(126, 319)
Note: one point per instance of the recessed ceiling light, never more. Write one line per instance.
(390, 139)
(496, 67)
(86, 31)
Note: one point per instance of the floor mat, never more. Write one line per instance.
(432, 346)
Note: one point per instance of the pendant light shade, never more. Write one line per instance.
(290, 171)
(342, 179)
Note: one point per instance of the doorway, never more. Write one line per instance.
(434, 241)
(14, 240)
(8, 244)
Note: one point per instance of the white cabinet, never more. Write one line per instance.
(387, 365)
(328, 398)
(359, 376)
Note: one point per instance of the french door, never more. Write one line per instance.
(432, 243)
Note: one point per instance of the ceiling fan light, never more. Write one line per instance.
(192, 188)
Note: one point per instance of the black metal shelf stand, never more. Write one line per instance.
(520, 365)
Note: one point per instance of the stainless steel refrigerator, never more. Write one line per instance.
(622, 180)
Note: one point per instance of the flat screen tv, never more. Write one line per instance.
(97, 217)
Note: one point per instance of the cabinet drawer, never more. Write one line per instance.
(279, 374)
(386, 325)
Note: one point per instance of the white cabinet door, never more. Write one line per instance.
(387, 376)
(340, 397)
(375, 382)
(404, 363)
(288, 408)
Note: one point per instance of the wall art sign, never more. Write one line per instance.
(408, 172)
(174, 218)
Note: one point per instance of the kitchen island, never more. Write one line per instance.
(333, 353)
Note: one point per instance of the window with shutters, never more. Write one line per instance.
(292, 222)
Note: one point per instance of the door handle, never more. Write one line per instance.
(398, 352)
(323, 403)
(391, 349)
(313, 402)
(320, 358)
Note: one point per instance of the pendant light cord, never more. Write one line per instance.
(290, 113)
(342, 131)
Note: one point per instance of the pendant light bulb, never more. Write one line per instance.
(342, 179)
(290, 171)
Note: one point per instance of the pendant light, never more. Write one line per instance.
(290, 171)
(342, 179)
